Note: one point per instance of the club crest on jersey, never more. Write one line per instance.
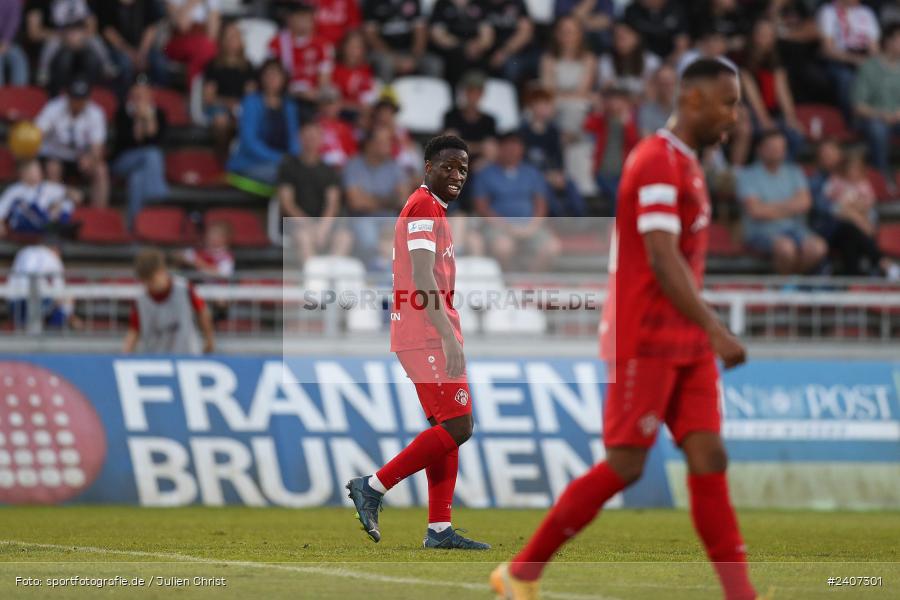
(462, 396)
(431, 359)
(648, 424)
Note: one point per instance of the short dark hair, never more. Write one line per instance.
(706, 69)
(444, 142)
(147, 262)
(888, 32)
(768, 133)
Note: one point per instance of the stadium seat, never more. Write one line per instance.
(195, 103)
(256, 34)
(174, 105)
(428, 6)
(501, 101)
(163, 225)
(335, 273)
(232, 8)
(721, 242)
(198, 168)
(423, 103)
(100, 225)
(476, 277)
(511, 319)
(879, 185)
(541, 11)
(107, 102)
(889, 239)
(247, 231)
(7, 165)
(830, 118)
(17, 103)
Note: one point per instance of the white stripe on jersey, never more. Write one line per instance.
(421, 245)
(657, 193)
(659, 221)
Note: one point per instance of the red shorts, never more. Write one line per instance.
(648, 391)
(442, 398)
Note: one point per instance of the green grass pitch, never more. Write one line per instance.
(322, 554)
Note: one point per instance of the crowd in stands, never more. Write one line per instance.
(311, 116)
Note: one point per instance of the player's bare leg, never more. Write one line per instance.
(713, 515)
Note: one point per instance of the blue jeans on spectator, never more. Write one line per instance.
(15, 60)
(145, 170)
(53, 314)
(842, 76)
(261, 172)
(878, 135)
(567, 202)
(609, 187)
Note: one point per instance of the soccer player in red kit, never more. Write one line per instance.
(660, 341)
(428, 341)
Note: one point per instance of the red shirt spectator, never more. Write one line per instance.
(307, 58)
(338, 141)
(615, 114)
(336, 18)
(353, 75)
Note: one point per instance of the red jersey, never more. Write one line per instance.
(662, 189)
(422, 225)
(356, 84)
(338, 143)
(304, 58)
(334, 18)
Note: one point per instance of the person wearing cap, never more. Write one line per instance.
(511, 197)
(307, 58)
(469, 122)
(74, 140)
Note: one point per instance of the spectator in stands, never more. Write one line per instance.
(766, 87)
(309, 193)
(403, 147)
(776, 202)
(398, 36)
(876, 97)
(195, 28)
(353, 76)
(709, 43)
(461, 35)
(338, 140)
(12, 57)
(851, 232)
(615, 132)
(850, 33)
(214, 258)
(829, 158)
(513, 55)
(468, 121)
(662, 24)
(568, 71)
(375, 187)
(596, 16)
(727, 17)
(165, 315)
(40, 265)
(334, 19)
(511, 196)
(72, 50)
(227, 79)
(267, 127)
(130, 29)
(798, 45)
(654, 112)
(307, 58)
(140, 127)
(33, 205)
(74, 140)
(627, 65)
(543, 151)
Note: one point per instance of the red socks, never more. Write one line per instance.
(576, 508)
(717, 526)
(429, 446)
(441, 483)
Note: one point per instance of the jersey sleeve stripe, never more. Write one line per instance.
(657, 193)
(422, 245)
(657, 221)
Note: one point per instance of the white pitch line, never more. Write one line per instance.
(309, 570)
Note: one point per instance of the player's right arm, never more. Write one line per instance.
(423, 278)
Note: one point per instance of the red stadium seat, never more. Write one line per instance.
(174, 105)
(17, 103)
(198, 168)
(832, 122)
(889, 239)
(247, 229)
(101, 225)
(107, 101)
(721, 242)
(164, 225)
(7, 165)
(879, 185)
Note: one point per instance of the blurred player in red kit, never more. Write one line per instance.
(428, 341)
(660, 341)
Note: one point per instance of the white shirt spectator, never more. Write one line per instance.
(69, 12)
(46, 196)
(66, 137)
(200, 13)
(36, 261)
(633, 84)
(851, 29)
